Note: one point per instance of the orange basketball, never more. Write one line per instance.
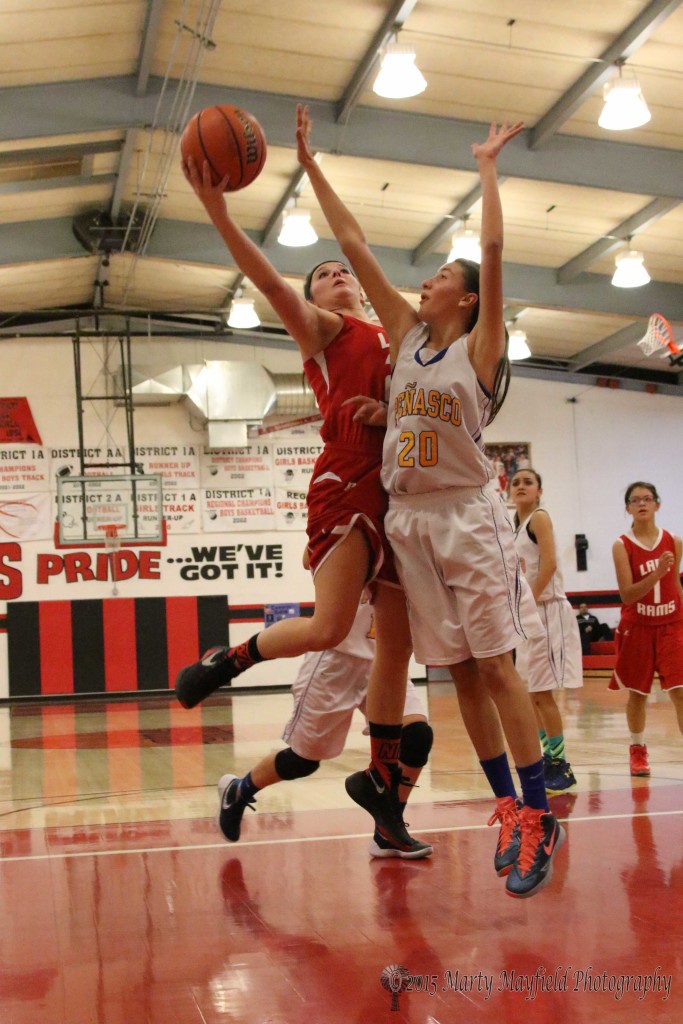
(230, 139)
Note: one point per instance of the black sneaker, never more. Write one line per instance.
(381, 801)
(541, 837)
(382, 846)
(232, 807)
(559, 776)
(202, 678)
(507, 847)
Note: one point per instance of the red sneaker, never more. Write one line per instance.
(507, 848)
(638, 759)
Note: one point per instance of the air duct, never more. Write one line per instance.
(228, 396)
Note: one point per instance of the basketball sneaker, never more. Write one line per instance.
(541, 836)
(232, 807)
(559, 776)
(371, 792)
(202, 678)
(382, 846)
(638, 759)
(507, 848)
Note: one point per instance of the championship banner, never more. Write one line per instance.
(26, 517)
(291, 511)
(16, 422)
(293, 461)
(177, 464)
(24, 469)
(251, 466)
(249, 508)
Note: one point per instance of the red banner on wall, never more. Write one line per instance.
(16, 422)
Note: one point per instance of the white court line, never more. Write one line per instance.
(303, 839)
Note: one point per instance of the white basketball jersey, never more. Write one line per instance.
(527, 550)
(437, 411)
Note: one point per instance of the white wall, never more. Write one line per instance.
(587, 442)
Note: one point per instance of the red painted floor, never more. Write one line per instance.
(158, 921)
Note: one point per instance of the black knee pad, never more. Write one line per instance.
(289, 765)
(416, 742)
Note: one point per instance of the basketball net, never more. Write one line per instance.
(112, 545)
(658, 336)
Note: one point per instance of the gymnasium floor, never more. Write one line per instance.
(121, 904)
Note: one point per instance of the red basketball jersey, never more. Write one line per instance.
(355, 363)
(662, 603)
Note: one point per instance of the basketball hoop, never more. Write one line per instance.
(658, 336)
(112, 544)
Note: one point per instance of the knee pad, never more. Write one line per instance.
(416, 742)
(289, 765)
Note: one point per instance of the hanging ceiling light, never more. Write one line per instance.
(630, 270)
(517, 346)
(625, 106)
(297, 229)
(243, 314)
(398, 77)
(465, 246)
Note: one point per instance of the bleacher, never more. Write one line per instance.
(602, 656)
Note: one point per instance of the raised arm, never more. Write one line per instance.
(312, 328)
(395, 313)
(487, 339)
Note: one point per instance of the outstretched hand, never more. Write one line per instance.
(304, 126)
(211, 196)
(369, 411)
(498, 137)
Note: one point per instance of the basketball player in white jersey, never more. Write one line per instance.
(552, 661)
(452, 539)
(329, 686)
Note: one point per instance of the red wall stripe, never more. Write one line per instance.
(182, 631)
(120, 668)
(56, 650)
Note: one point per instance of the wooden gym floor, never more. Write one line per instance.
(121, 904)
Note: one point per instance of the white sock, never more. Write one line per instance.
(638, 737)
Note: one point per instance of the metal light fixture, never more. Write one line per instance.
(630, 270)
(398, 77)
(297, 229)
(517, 346)
(465, 245)
(625, 106)
(243, 314)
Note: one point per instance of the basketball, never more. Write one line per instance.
(230, 139)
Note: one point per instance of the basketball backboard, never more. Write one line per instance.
(87, 503)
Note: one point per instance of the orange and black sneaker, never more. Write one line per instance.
(507, 848)
(640, 766)
(541, 836)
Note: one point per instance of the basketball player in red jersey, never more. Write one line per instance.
(649, 637)
(344, 354)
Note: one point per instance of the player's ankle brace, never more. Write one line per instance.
(416, 743)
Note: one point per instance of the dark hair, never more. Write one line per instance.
(641, 483)
(527, 469)
(501, 381)
(309, 276)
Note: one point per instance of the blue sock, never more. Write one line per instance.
(497, 771)
(247, 788)
(532, 780)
